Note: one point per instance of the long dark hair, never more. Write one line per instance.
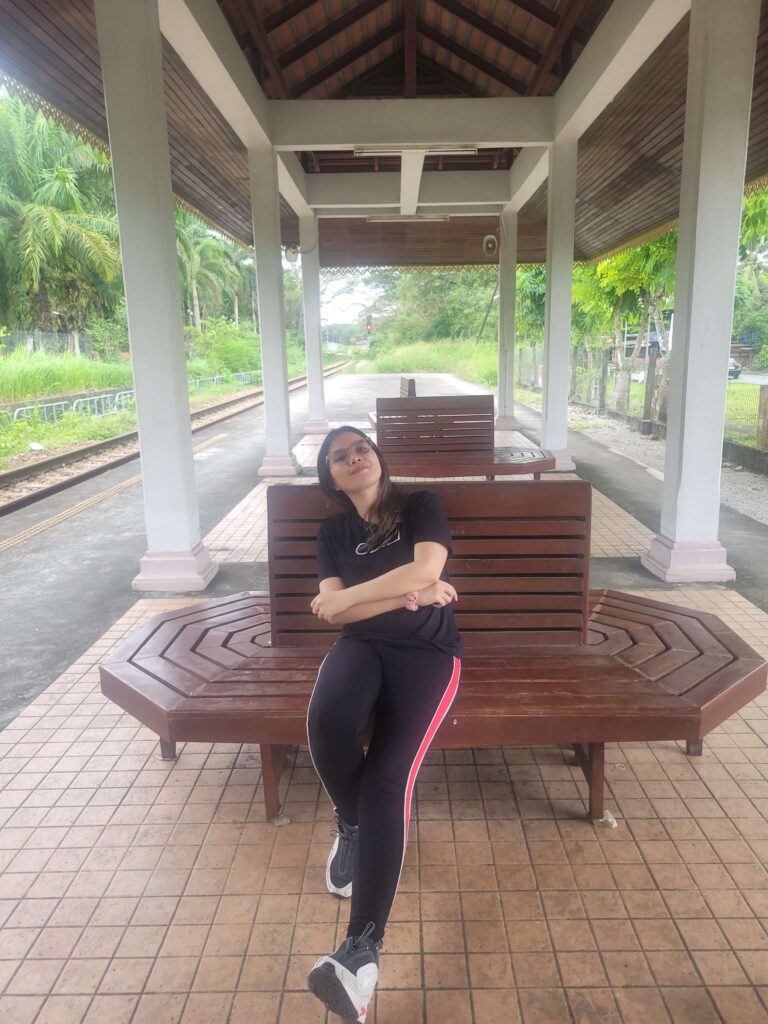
(389, 501)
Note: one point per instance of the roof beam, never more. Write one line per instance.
(565, 26)
(349, 57)
(411, 166)
(385, 211)
(493, 31)
(200, 35)
(329, 31)
(626, 37)
(360, 83)
(444, 189)
(397, 124)
(526, 175)
(628, 34)
(451, 46)
(264, 46)
(447, 77)
(285, 13)
(411, 36)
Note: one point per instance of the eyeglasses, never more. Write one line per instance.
(340, 456)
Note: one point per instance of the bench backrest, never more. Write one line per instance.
(407, 387)
(520, 560)
(445, 425)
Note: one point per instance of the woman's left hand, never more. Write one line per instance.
(328, 605)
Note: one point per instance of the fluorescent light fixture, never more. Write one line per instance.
(393, 218)
(447, 150)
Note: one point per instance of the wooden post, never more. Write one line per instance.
(762, 418)
(603, 389)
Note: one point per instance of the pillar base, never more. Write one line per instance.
(177, 571)
(280, 465)
(687, 561)
(563, 461)
(317, 427)
(507, 423)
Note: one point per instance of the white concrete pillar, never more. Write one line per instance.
(310, 281)
(265, 205)
(505, 419)
(720, 69)
(561, 216)
(130, 47)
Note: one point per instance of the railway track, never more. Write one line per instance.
(39, 479)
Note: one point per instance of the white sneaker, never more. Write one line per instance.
(345, 980)
(341, 860)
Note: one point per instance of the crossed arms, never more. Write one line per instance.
(413, 585)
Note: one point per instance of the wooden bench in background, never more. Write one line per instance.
(450, 436)
(546, 661)
(407, 390)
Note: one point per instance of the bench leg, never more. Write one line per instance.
(694, 748)
(167, 750)
(591, 759)
(537, 476)
(272, 759)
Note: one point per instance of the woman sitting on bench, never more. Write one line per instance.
(382, 578)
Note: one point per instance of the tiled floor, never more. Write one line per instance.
(137, 890)
(241, 535)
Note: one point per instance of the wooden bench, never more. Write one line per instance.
(546, 661)
(448, 437)
(407, 390)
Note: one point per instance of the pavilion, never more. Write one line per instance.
(399, 133)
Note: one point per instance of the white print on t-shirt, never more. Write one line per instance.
(365, 549)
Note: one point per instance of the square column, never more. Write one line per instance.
(561, 217)
(265, 206)
(131, 53)
(310, 281)
(720, 71)
(505, 420)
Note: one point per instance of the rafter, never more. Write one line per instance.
(472, 58)
(285, 13)
(449, 77)
(411, 36)
(493, 31)
(368, 77)
(348, 58)
(261, 41)
(331, 29)
(565, 27)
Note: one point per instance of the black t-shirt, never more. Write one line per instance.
(343, 550)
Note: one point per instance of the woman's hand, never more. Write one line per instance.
(329, 604)
(438, 595)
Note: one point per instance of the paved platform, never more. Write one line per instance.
(134, 889)
(141, 891)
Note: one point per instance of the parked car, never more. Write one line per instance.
(734, 369)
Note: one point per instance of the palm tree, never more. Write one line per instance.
(58, 230)
(205, 263)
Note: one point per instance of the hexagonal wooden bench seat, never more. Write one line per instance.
(546, 661)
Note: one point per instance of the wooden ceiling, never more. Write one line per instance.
(629, 162)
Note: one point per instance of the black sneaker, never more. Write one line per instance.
(345, 980)
(341, 859)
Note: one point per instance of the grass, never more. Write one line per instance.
(36, 375)
(471, 362)
(79, 428)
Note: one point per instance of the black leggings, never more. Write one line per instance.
(410, 690)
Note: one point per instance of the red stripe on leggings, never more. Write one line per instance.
(434, 725)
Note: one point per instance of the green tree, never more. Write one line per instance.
(58, 231)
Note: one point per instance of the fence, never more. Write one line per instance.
(50, 342)
(598, 383)
(110, 403)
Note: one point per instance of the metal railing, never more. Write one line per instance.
(121, 401)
